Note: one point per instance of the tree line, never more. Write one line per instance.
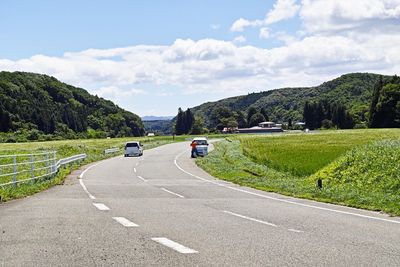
(323, 114)
(222, 117)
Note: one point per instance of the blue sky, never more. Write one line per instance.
(53, 27)
(151, 57)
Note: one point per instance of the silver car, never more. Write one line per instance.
(133, 148)
(202, 146)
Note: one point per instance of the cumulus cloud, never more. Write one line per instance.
(331, 15)
(240, 24)
(282, 9)
(214, 66)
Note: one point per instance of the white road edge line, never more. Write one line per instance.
(175, 246)
(250, 219)
(141, 178)
(166, 190)
(125, 222)
(101, 206)
(278, 199)
(81, 181)
(85, 189)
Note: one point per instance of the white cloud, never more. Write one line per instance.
(282, 10)
(239, 39)
(264, 33)
(240, 24)
(212, 66)
(331, 15)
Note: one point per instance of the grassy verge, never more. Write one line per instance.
(290, 164)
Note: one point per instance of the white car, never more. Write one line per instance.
(133, 148)
(202, 146)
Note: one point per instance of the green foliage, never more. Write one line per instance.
(354, 172)
(252, 111)
(386, 108)
(353, 91)
(198, 126)
(323, 114)
(160, 127)
(255, 119)
(373, 170)
(184, 122)
(56, 109)
(304, 154)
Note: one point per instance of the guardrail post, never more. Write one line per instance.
(47, 162)
(15, 171)
(54, 162)
(32, 168)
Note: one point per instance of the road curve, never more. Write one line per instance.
(162, 210)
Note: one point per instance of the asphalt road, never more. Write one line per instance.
(161, 210)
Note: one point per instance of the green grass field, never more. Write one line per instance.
(357, 168)
(304, 154)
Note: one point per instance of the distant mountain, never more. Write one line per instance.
(157, 118)
(354, 91)
(41, 105)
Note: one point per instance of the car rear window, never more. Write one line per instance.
(201, 142)
(131, 145)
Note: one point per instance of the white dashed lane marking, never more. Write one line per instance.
(250, 219)
(296, 231)
(166, 190)
(101, 206)
(174, 245)
(125, 222)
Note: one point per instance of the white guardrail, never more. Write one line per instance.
(21, 168)
(111, 150)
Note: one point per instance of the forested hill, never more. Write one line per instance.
(354, 91)
(40, 105)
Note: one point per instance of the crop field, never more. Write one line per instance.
(358, 168)
(304, 154)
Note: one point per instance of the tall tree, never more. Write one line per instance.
(264, 113)
(374, 119)
(179, 126)
(188, 121)
(241, 120)
(198, 126)
(251, 111)
(308, 115)
(256, 119)
(388, 107)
